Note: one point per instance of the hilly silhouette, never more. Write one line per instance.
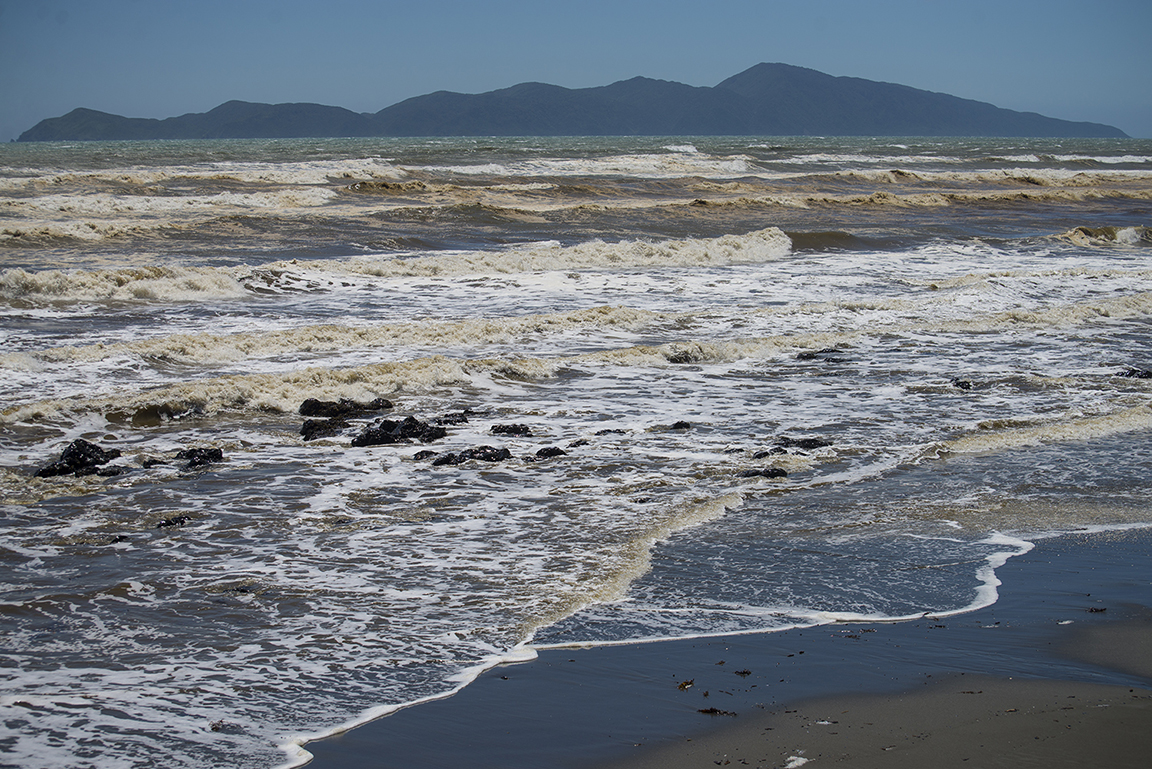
(767, 100)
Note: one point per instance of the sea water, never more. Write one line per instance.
(743, 384)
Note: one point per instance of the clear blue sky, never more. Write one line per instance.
(1089, 60)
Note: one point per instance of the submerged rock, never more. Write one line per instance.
(323, 428)
(455, 418)
(388, 431)
(511, 430)
(827, 355)
(176, 520)
(343, 408)
(806, 444)
(1136, 373)
(79, 458)
(551, 451)
(767, 472)
(200, 457)
(485, 453)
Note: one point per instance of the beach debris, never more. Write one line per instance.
(388, 431)
(80, 458)
(743, 673)
(716, 712)
(686, 684)
(1096, 609)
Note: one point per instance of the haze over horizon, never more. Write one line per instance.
(161, 59)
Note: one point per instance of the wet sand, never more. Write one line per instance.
(1057, 673)
(964, 720)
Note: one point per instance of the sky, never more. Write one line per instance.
(1088, 60)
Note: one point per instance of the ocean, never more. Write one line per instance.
(296, 433)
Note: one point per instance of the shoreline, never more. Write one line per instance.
(989, 721)
(1072, 618)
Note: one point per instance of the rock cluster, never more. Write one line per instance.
(81, 458)
(390, 431)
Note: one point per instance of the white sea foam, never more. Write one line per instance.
(681, 162)
(937, 404)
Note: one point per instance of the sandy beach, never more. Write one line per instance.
(962, 720)
(1057, 673)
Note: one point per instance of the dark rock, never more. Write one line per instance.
(551, 451)
(767, 472)
(511, 430)
(486, 453)
(426, 454)
(827, 355)
(611, 431)
(323, 428)
(343, 408)
(200, 457)
(176, 520)
(1136, 373)
(682, 357)
(806, 444)
(682, 426)
(774, 451)
(79, 458)
(227, 727)
(388, 431)
(578, 442)
(962, 384)
(457, 418)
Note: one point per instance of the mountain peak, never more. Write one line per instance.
(768, 99)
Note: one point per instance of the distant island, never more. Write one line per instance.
(765, 100)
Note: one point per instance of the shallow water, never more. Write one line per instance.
(935, 350)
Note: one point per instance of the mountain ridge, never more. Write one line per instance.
(765, 99)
